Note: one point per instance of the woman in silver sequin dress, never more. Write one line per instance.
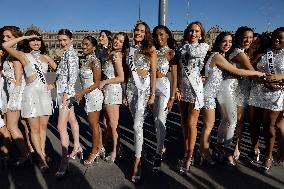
(271, 100)
(14, 89)
(190, 58)
(141, 86)
(215, 65)
(67, 73)
(234, 96)
(90, 74)
(38, 108)
(113, 75)
(164, 43)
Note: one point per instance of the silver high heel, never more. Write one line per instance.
(102, 153)
(75, 152)
(93, 160)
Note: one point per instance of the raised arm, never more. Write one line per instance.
(9, 47)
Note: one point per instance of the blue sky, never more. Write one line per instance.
(51, 15)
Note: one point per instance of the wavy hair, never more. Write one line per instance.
(147, 43)
(187, 29)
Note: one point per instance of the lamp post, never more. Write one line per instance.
(163, 12)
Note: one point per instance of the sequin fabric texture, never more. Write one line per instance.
(192, 55)
(67, 72)
(212, 83)
(14, 94)
(138, 99)
(94, 99)
(260, 95)
(40, 102)
(112, 92)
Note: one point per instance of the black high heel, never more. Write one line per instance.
(63, 170)
(157, 163)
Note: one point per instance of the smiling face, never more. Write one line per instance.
(247, 40)
(7, 36)
(35, 44)
(88, 47)
(226, 43)
(118, 42)
(194, 33)
(278, 40)
(139, 33)
(103, 40)
(162, 37)
(64, 41)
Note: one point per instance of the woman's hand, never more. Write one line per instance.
(79, 96)
(178, 96)
(170, 104)
(50, 87)
(102, 84)
(125, 101)
(151, 100)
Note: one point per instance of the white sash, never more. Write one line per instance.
(270, 61)
(196, 84)
(1, 90)
(132, 67)
(164, 88)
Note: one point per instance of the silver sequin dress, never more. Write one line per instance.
(212, 84)
(192, 56)
(37, 99)
(112, 92)
(94, 99)
(261, 96)
(14, 95)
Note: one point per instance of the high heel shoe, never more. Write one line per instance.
(102, 153)
(92, 158)
(157, 162)
(184, 166)
(236, 155)
(256, 155)
(75, 152)
(136, 176)
(111, 158)
(206, 159)
(229, 161)
(63, 169)
(266, 167)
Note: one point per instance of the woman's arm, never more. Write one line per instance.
(50, 62)
(220, 61)
(153, 64)
(173, 81)
(18, 72)
(96, 69)
(243, 59)
(9, 47)
(119, 70)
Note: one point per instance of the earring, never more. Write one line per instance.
(200, 38)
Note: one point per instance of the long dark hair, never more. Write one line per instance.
(26, 46)
(239, 35)
(171, 42)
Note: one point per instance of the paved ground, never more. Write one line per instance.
(103, 175)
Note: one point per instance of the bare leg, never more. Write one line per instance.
(17, 136)
(208, 124)
(42, 132)
(74, 128)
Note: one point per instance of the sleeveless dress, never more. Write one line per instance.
(37, 99)
(112, 92)
(94, 99)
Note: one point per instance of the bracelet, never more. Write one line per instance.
(153, 94)
(172, 97)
